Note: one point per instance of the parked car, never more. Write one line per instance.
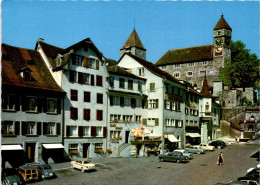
(10, 176)
(83, 164)
(28, 173)
(218, 144)
(252, 175)
(173, 156)
(45, 170)
(195, 150)
(244, 182)
(185, 153)
(250, 169)
(206, 147)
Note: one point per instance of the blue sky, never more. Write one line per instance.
(161, 25)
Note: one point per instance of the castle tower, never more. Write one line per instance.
(134, 46)
(222, 39)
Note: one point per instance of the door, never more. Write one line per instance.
(126, 136)
(30, 152)
(85, 150)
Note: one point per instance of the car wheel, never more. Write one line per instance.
(43, 177)
(219, 147)
(198, 152)
(178, 161)
(82, 169)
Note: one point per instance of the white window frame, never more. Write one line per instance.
(141, 71)
(176, 74)
(51, 128)
(189, 73)
(86, 131)
(151, 122)
(8, 106)
(115, 134)
(75, 129)
(30, 129)
(204, 63)
(152, 104)
(92, 63)
(176, 66)
(55, 105)
(28, 102)
(99, 131)
(8, 127)
(191, 64)
(168, 104)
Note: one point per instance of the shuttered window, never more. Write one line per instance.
(73, 76)
(87, 114)
(99, 81)
(99, 115)
(74, 95)
(130, 84)
(152, 86)
(99, 98)
(121, 83)
(104, 131)
(92, 80)
(80, 131)
(87, 97)
(74, 113)
(93, 131)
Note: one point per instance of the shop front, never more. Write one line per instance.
(171, 142)
(13, 154)
(53, 152)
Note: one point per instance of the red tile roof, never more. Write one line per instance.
(120, 71)
(205, 88)
(15, 60)
(133, 41)
(222, 23)
(183, 55)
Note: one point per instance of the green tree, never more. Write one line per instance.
(243, 69)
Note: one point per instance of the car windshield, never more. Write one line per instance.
(86, 162)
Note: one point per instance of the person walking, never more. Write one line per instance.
(220, 160)
(222, 157)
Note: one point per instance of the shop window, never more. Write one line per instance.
(98, 147)
(73, 149)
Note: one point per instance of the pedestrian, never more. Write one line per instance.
(220, 160)
(222, 157)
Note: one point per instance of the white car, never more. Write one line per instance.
(207, 147)
(83, 164)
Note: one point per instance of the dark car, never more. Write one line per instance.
(45, 170)
(218, 144)
(173, 156)
(10, 176)
(252, 175)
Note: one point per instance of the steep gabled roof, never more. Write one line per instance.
(183, 55)
(152, 68)
(120, 71)
(15, 60)
(222, 23)
(110, 62)
(205, 88)
(133, 41)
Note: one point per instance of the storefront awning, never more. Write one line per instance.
(52, 146)
(172, 138)
(193, 134)
(11, 147)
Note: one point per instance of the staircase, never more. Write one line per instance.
(117, 152)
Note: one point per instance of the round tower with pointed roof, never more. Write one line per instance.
(134, 46)
(222, 39)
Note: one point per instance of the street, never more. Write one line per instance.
(202, 170)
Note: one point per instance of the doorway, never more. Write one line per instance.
(85, 150)
(30, 152)
(127, 136)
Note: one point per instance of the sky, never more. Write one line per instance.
(161, 25)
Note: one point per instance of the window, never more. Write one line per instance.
(92, 63)
(73, 113)
(139, 86)
(191, 122)
(174, 105)
(186, 111)
(176, 75)
(98, 147)
(151, 122)
(8, 127)
(86, 78)
(74, 95)
(138, 118)
(141, 71)
(178, 106)
(77, 60)
(51, 128)
(189, 73)
(9, 102)
(115, 117)
(219, 32)
(99, 115)
(204, 63)
(111, 81)
(152, 86)
(98, 131)
(73, 76)
(187, 122)
(73, 148)
(177, 66)
(127, 118)
(99, 81)
(133, 102)
(179, 123)
(191, 64)
(127, 102)
(31, 128)
(121, 83)
(73, 131)
(86, 131)
(163, 67)
(86, 114)
(195, 123)
(99, 98)
(115, 134)
(51, 105)
(139, 103)
(130, 84)
(168, 104)
(86, 96)
(153, 103)
(122, 101)
(115, 100)
(169, 122)
(207, 107)
(31, 103)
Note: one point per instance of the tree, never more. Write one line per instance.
(243, 69)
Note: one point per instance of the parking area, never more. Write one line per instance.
(202, 170)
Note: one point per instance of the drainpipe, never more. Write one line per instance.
(163, 116)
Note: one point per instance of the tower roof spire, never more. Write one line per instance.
(205, 87)
(222, 23)
(133, 41)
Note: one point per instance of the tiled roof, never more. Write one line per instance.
(133, 41)
(205, 88)
(120, 71)
(222, 23)
(15, 60)
(182, 55)
(110, 62)
(153, 68)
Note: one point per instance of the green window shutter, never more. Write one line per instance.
(146, 104)
(156, 103)
(156, 121)
(144, 121)
(152, 86)
(165, 104)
